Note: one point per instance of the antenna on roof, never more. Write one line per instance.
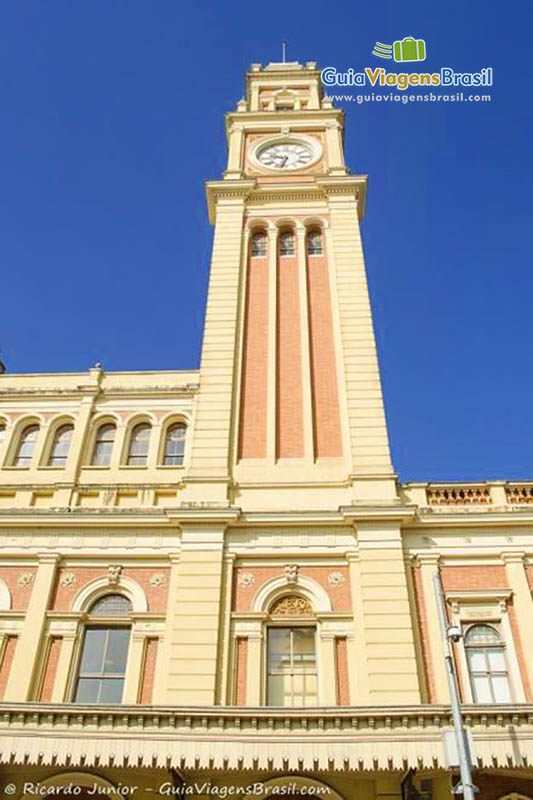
(284, 50)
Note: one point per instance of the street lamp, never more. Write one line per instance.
(453, 633)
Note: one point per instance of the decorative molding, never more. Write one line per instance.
(291, 606)
(291, 572)
(113, 573)
(157, 580)
(25, 578)
(68, 580)
(246, 579)
(336, 578)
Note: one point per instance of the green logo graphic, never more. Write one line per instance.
(406, 49)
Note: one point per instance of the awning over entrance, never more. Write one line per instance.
(352, 739)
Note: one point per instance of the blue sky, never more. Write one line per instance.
(111, 118)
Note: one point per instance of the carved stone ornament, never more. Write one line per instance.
(25, 578)
(68, 580)
(157, 580)
(291, 572)
(335, 578)
(246, 579)
(291, 606)
(113, 573)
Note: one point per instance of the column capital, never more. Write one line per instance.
(49, 558)
(432, 558)
(513, 557)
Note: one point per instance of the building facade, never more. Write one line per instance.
(212, 579)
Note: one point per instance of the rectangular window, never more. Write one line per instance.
(102, 665)
(291, 667)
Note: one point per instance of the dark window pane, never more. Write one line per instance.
(92, 658)
(111, 690)
(259, 244)
(314, 243)
(88, 690)
(286, 243)
(117, 651)
(111, 605)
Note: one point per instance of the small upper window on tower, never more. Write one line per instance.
(284, 106)
(314, 243)
(286, 243)
(259, 244)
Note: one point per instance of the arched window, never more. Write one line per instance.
(139, 444)
(103, 445)
(104, 651)
(314, 243)
(175, 445)
(286, 243)
(259, 244)
(2, 432)
(26, 446)
(61, 446)
(485, 653)
(291, 653)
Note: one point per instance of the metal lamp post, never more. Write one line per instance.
(453, 633)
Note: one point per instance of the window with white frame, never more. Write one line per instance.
(103, 445)
(26, 446)
(487, 666)
(61, 446)
(104, 653)
(139, 445)
(291, 666)
(174, 452)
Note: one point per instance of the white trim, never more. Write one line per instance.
(5, 596)
(277, 587)
(101, 586)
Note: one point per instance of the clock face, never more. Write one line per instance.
(286, 155)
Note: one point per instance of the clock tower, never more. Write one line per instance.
(290, 410)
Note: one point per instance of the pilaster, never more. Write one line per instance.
(195, 617)
(523, 604)
(26, 659)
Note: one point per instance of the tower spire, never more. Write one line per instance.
(284, 50)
